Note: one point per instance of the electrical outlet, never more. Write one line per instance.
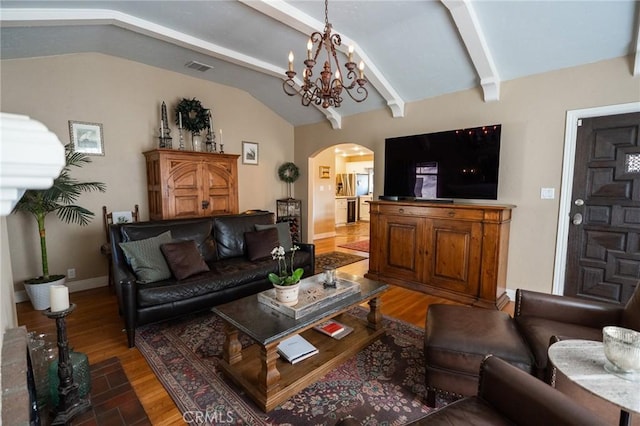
(71, 273)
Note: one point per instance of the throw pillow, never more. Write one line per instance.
(284, 233)
(146, 259)
(183, 258)
(260, 243)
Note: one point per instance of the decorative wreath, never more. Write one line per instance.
(194, 116)
(288, 172)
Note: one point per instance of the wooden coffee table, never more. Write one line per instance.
(258, 369)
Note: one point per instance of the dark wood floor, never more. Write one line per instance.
(95, 327)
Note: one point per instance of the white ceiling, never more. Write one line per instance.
(413, 50)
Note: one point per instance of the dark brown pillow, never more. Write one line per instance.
(260, 243)
(183, 258)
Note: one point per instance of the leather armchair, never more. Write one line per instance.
(508, 395)
(541, 316)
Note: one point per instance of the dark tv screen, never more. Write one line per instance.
(453, 164)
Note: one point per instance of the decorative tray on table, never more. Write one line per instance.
(312, 296)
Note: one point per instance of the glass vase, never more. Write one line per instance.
(81, 376)
(43, 351)
(196, 141)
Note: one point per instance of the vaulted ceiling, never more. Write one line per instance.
(412, 50)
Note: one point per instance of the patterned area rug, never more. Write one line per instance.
(358, 245)
(381, 385)
(335, 259)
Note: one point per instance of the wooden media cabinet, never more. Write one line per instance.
(455, 251)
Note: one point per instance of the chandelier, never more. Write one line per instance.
(328, 88)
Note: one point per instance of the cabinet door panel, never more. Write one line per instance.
(455, 254)
(219, 188)
(185, 196)
(402, 239)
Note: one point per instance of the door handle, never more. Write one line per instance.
(577, 219)
(205, 204)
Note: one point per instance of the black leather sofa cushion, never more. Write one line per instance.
(241, 270)
(198, 230)
(229, 232)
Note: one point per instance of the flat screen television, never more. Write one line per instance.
(455, 164)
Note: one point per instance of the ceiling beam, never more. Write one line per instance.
(59, 17)
(468, 25)
(296, 19)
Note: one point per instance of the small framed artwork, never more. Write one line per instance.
(86, 137)
(249, 152)
(325, 172)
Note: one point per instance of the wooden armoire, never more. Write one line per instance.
(184, 184)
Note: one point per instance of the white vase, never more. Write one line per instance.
(287, 294)
(39, 293)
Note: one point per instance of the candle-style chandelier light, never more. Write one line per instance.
(327, 89)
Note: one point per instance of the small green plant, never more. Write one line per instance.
(61, 199)
(284, 278)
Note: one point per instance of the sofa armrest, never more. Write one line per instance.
(567, 309)
(526, 400)
(125, 283)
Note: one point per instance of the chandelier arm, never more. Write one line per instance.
(316, 37)
(360, 90)
(289, 87)
(351, 77)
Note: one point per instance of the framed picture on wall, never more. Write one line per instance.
(86, 137)
(249, 152)
(325, 172)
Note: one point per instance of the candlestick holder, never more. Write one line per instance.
(221, 147)
(165, 139)
(181, 146)
(211, 142)
(70, 403)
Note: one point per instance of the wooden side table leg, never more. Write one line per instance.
(231, 348)
(374, 317)
(269, 376)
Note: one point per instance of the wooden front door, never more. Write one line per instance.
(603, 250)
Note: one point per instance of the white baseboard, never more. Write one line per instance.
(324, 235)
(512, 294)
(80, 285)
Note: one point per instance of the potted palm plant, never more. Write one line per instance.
(59, 198)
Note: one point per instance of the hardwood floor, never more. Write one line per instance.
(95, 327)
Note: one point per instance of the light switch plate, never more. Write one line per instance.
(547, 193)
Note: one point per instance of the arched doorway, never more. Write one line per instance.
(350, 165)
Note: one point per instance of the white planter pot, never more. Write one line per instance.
(287, 294)
(39, 293)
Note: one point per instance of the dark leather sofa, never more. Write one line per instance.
(221, 242)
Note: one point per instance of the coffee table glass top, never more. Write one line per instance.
(266, 325)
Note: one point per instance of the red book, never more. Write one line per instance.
(330, 328)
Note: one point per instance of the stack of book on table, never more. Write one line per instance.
(333, 328)
(296, 348)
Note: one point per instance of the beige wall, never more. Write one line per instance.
(125, 97)
(324, 193)
(532, 113)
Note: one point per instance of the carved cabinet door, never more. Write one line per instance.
(456, 251)
(403, 246)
